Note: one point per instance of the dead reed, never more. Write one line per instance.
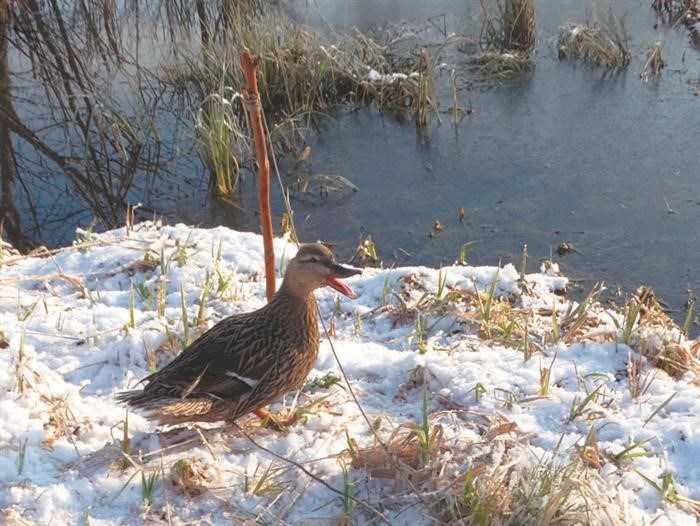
(655, 62)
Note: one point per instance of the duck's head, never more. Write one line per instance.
(313, 267)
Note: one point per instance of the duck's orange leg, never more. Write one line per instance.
(267, 418)
(262, 413)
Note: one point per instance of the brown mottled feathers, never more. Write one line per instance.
(249, 360)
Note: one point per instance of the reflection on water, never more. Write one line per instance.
(87, 130)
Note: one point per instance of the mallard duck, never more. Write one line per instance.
(246, 361)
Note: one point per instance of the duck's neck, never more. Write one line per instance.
(298, 315)
(294, 289)
(299, 307)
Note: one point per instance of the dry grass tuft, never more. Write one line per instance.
(511, 27)
(191, 476)
(605, 46)
(656, 339)
(508, 37)
(61, 422)
(493, 481)
(676, 359)
(402, 453)
(502, 66)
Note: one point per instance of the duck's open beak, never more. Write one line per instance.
(339, 271)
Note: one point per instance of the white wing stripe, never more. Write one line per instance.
(250, 382)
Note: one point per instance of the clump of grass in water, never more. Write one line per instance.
(508, 37)
(464, 250)
(296, 74)
(299, 74)
(425, 101)
(501, 67)
(318, 187)
(220, 140)
(400, 92)
(605, 46)
(299, 77)
(511, 27)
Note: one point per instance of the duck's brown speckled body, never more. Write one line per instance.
(248, 360)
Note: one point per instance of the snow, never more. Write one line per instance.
(67, 345)
(375, 76)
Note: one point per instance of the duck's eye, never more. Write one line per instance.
(313, 259)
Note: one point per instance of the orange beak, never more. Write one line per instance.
(339, 271)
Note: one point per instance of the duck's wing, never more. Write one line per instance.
(227, 361)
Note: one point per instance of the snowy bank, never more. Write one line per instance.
(482, 393)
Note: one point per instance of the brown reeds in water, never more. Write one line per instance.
(511, 27)
(502, 66)
(301, 75)
(508, 39)
(602, 45)
(691, 19)
(297, 73)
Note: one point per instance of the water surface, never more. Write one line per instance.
(607, 163)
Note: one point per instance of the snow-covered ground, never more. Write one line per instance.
(567, 424)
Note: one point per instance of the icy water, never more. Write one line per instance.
(609, 164)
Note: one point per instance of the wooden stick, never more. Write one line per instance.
(251, 96)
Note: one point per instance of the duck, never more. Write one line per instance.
(249, 360)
